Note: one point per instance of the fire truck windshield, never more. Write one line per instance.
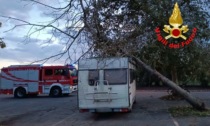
(63, 72)
(73, 72)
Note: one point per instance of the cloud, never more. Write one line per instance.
(14, 8)
(21, 52)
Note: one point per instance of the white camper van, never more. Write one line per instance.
(106, 85)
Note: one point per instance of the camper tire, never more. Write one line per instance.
(20, 92)
(55, 91)
(134, 100)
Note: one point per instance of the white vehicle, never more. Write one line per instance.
(23, 80)
(106, 85)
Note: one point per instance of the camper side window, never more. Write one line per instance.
(116, 76)
(132, 75)
(93, 76)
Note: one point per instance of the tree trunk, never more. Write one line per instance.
(196, 103)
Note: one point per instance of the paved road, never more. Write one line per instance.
(47, 111)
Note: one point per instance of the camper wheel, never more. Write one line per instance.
(55, 91)
(134, 100)
(20, 92)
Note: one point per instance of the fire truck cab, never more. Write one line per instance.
(23, 80)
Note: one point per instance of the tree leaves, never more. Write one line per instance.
(2, 44)
(133, 22)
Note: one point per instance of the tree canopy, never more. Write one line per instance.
(128, 26)
(2, 44)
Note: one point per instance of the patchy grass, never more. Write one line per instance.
(171, 97)
(187, 111)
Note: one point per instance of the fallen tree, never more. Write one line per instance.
(196, 103)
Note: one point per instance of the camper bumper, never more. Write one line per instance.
(105, 110)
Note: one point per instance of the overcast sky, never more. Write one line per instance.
(19, 50)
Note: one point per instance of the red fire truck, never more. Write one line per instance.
(23, 80)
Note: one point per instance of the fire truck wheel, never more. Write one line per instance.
(55, 92)
(20, 93)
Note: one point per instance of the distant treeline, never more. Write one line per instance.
(148, 80)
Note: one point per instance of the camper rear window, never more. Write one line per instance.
(93, 76)
(116, 76)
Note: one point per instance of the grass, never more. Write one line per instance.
(171, 97)
(187, 111)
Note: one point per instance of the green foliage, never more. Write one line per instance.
(181, 111)
(2, 44)
(171, 97)
(188, 62)
(128, 27)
